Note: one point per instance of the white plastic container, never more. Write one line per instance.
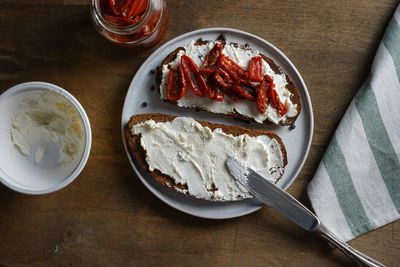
(18, 171)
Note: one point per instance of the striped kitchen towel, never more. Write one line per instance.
(357, 185)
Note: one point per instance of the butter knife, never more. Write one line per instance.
(285, 204)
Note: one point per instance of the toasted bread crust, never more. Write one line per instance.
(170, 57)
(139, 154)
(295, 98)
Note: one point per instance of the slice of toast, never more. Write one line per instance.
(139, 154)
(290, 87)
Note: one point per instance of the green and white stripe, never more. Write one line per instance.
(357, 185)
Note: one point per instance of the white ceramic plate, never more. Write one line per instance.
(297, 141)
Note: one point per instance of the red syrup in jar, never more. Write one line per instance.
(137, 24)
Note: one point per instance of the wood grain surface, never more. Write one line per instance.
(107, 217)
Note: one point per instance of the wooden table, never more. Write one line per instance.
(107, 216)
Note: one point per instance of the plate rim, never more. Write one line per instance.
(308, 104)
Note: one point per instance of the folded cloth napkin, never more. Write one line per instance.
(357, 185)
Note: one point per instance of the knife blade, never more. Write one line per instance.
(272, 195)
(289, 207)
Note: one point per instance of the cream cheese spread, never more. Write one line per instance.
(45, 126)
(246, 108)
(194, 155)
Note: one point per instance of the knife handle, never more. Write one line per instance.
(355, 255)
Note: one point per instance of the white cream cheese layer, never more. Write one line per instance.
(246, 108)
(195, 155)
(47, 124)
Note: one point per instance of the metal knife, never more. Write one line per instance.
(292, 209)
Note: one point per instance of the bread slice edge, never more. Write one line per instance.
(295, 97)
(139, 154)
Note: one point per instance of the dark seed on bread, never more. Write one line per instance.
(221, 38)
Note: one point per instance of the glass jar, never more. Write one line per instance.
(138, 32)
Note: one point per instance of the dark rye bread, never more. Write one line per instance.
(139, 154)
(295, 98)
